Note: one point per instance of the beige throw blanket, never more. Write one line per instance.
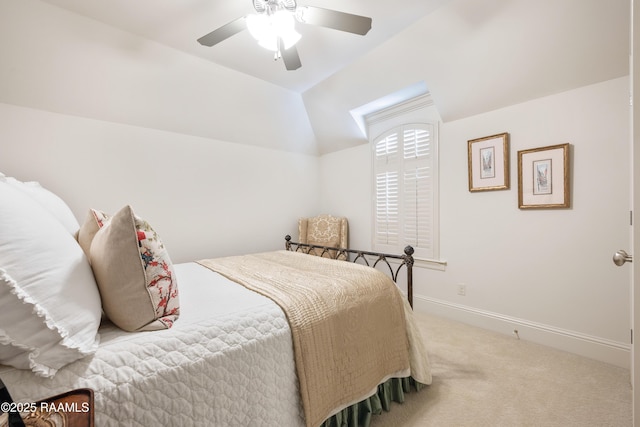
(347, 322)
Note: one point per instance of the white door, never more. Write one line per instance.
(635, 173)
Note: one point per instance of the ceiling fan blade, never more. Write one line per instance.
(290, 56)
(224, 32)
(333, 19)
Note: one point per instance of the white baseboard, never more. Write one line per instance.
(612, 352)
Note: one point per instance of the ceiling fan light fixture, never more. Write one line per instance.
(267, 28)
(273, 26)
(290, 38)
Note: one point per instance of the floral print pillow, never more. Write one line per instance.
(134, 273)
(161, 282)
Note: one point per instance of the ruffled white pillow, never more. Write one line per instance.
(47, 199)
(50, 306)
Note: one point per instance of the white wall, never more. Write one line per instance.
(205, 197)
(345, 190)
(106, 118)
(59, 61)
(477, 56)
(547, 273)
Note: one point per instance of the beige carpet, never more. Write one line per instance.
(482, 378)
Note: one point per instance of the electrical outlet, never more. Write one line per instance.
(462, 290)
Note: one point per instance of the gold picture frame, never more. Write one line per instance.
(543, 177)
(489, 163)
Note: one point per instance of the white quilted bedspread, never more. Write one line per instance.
(228, 361)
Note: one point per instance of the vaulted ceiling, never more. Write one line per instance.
(323, 51)
(472, 55)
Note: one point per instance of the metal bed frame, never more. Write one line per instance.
(371, 259)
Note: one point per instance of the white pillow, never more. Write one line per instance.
(50, 201)
(50, 306)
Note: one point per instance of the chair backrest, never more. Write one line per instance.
(324, 230)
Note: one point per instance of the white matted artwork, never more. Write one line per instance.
(543, 177)
(489, 163)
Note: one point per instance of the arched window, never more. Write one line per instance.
(405, 189)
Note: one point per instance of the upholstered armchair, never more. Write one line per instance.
(324, 230)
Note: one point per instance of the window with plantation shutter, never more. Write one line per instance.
(405, 175)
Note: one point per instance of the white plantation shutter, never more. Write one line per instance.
(387, 148)
(387, 214)
(404, 160)
(416, 142)
(387, 197)
(417, 209)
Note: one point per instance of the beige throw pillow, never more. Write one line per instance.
(92, 223)
(134, 274)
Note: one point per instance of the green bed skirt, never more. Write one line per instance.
(359, 415)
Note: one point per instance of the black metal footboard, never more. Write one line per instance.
(372, 259)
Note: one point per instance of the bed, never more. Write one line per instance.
(229, 351)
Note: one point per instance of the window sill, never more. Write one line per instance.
(431, 264)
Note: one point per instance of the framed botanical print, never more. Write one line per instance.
(543, 177)
(489, 163)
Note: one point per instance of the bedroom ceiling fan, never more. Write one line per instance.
(273, 26)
